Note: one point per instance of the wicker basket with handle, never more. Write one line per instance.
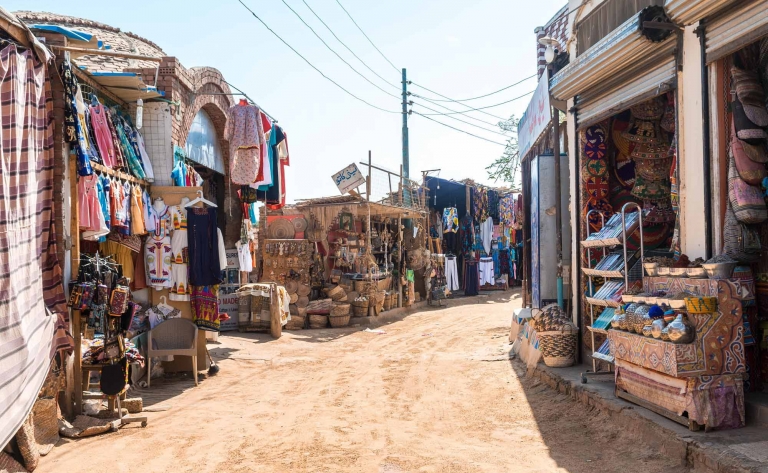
(558, 347)
(360, 307)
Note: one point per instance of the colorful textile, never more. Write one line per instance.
(157, 255)
(493, 205)
(205, 307)
(450, 220)
(507, 210)
(466, 234)
(480, 204)
(30, 280)
(73, 127)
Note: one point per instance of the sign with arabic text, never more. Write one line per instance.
(348, 178)
(536, 118)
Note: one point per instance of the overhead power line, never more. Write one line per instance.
(457, 112)
(496, 105)
(348, 48)
(312, 65)
(337, 54)
(366, 36)
(462, 121)
(479, 96)
(459, 130)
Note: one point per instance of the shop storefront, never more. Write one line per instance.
(156, 215)
(656, 280)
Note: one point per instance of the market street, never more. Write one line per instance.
(436, 392)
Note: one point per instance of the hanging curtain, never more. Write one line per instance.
(30, 276)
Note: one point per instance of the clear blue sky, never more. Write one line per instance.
(455, 47)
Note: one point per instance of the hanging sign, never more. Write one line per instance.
(536, 118)
(348, 178)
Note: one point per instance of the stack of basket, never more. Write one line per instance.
(558, 336)
(339, 316)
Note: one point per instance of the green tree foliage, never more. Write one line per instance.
(506, 166)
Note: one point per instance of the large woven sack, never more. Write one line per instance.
(741, 242)
(746, 201)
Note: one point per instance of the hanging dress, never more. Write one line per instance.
(179, 255)
(245, 133)
(157, 251)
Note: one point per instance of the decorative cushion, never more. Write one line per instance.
(751, 95)
(750, 171)
(746, 201)
(746, 129)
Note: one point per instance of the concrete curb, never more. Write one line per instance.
(672, 439)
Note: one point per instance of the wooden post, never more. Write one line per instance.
(469, 199)
(276, 325)
(74, 234)
(400, 253)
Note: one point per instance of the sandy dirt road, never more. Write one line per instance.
(436, 393)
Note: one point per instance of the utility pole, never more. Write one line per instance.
(406, 157)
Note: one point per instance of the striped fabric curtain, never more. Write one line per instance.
(33, 317)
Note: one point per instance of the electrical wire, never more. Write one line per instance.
(250, 100)
(459, 130)
(491, 106)
(337, 54)
(366, 37)
(457, 112)
(480, 96)
(312, 65)
(348, 48)
(462, 121)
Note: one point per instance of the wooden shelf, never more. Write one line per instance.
(603, 302)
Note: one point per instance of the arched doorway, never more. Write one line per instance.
(203, 145)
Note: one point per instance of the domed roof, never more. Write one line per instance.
(116, 39)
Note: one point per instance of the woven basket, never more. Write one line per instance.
(380, 297)
(558, 348)
(337, 294)
(701, 305)
(360, 308)
(296, 322)
(388, 301)
(318, 321)
(339, 321)
(304, 290)
(303, 302)
(293, 310)
(385, 283)
(340, 310)
(294, 298)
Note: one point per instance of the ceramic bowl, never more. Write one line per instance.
(678, 272)
(697, 273)
(651, 269)
(719, 270)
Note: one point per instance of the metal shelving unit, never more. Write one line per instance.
(632, 271)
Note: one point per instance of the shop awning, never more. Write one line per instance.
(127, 86)
(688, 12)
(735, 29)
(603, 103)
(83, 39)
(622, 55)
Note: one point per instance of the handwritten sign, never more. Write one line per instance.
(348, 178)
(536, 118)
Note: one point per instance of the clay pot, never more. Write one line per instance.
(656, 327)
(680, 331)
(647, 330)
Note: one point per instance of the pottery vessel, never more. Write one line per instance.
(647, 330)
(656, 327)
(665, 333)
(680, 331)
(642, 318)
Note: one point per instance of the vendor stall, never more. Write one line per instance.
(354, 254)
